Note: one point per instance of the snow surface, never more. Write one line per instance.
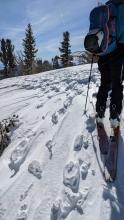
(51, 170)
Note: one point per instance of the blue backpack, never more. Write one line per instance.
(102, 36)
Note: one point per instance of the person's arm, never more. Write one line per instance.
(120, 25)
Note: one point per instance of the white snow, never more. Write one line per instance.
(35, 168)
(78, 143)
(51, 169)
(71, 176)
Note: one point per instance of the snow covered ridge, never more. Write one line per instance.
(51, 168)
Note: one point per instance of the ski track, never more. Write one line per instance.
(61, 142)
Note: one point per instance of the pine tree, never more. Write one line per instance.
(7, 56)
(20, 63)
(10, 56)
(65, 50)
(55, 62)
(3, 56)
(46, 66)
(30, 50)
(39, 68)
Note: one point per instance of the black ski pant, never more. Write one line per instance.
(111, 69)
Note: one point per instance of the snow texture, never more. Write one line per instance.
(71, 176)
(84, 169)
(70, 201)
(78, 143)
(51, 169)
(35, 168)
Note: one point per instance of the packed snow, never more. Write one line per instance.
(52, 167)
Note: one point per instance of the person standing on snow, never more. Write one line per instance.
(106, 39)
(111, 69)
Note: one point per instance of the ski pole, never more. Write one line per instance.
(89, 84)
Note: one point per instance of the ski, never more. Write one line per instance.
(109, 151)
(108, 146)
(110, 172)
(102, 135)
(103, 141)
(102, 138)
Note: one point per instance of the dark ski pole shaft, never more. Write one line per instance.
(89, 84)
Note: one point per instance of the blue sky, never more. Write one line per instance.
(49, 19)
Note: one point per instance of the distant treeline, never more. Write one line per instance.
(26, 62)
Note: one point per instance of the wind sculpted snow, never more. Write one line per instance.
(51, 169)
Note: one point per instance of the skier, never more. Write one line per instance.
(111, 69)
(106, 39)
